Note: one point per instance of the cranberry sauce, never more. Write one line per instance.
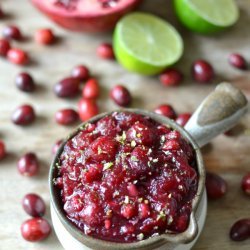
(126, 178)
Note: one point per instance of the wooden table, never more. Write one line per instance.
(228, 156)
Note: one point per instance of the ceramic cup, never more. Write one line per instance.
(220, 111)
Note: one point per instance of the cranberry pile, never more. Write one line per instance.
(126, 178)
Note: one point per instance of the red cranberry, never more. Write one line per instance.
(56, 146)
(132, 189)
(183, 118)
(166, 110)
(240, 230)
(17, 56)
(23, 115)
(87, 108)
(1, 13)
(215, 185)
(120, 95)
(128, 211)
(144, 210)
(44, 36)
(35, 229)
(12, 32)
(107, 223)
(2, 150)
(4, 47)
(66, 116)
(105, 51)
(238, 61)
(25, 82)
(171, 77)
(91, 89)
(67, 87)
(202, 71)
(104, 148)
(28, 165)
(80, 72)
(141, 134)
(245, 184)
(33, 205)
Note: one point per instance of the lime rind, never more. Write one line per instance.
(146, 44)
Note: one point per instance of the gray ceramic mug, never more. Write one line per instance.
(220, 111)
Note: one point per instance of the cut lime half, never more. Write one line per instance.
(207, 16)
(146, 44)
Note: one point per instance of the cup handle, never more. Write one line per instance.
(219, 112)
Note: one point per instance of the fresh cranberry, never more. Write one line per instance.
(67, 87)
(215, 185)
(91, 89)
(1, 13)
(4, 47)
(240, 230)
(2, 150)
(120, 95)
(87, 108)
(66, 116)
(166, 110)
(202, 71)
(33, 205)
(28, 165)
(105, 51)
(12, 32)
(35, 229)
(183, 118)
(44, 36)
(80, 72)
(17, 56)
(56, 146)
(25, 82)
(245, 184)
(171, 77)
(23, 115)
(238, 61)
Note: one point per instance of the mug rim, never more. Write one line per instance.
(155, 241)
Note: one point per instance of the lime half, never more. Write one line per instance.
(146, 44)
(207, 16)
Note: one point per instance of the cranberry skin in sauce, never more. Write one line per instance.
(126, 177)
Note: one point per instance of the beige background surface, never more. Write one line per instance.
(228, 156)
